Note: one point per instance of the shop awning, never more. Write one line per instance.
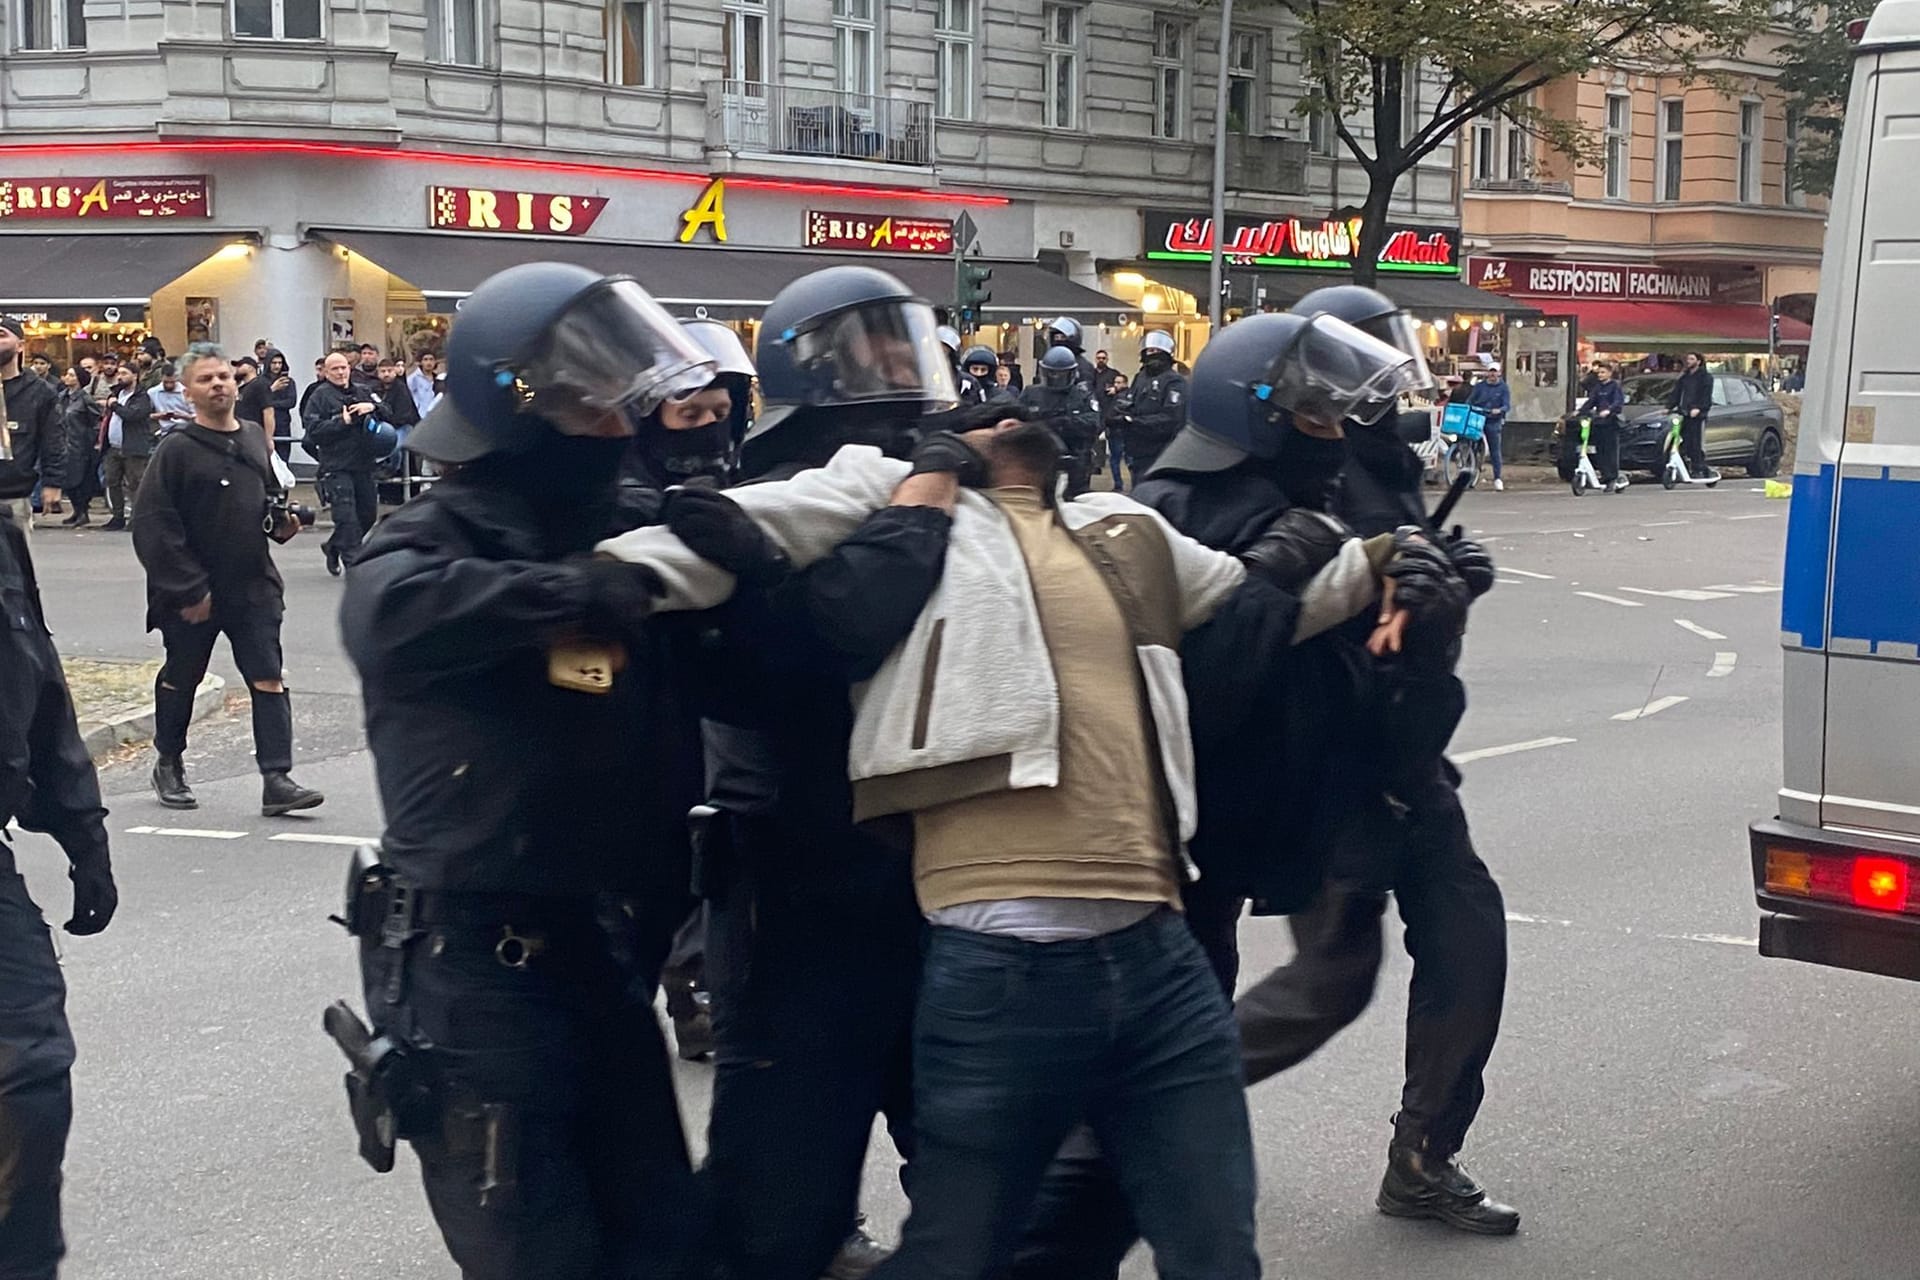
(727, 283)
(58, 273)
(1710, 327)
(1424, 294)
(1281, 289)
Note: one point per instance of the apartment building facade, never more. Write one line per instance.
(1686, 233)
(328, 171)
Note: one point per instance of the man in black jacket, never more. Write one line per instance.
(396, 401)
(47, 783)
(32, 406)
(1692, 399)
(536, 764)
(201, 532)
(341, 431)
(130, 441)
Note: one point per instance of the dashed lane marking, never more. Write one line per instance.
(1683, 593)
(1763, 515)
(1722, 664)
(1653, 708)
(1664, 524)
(1624, 604)
(1719, 939)
(295, 837)
(1698, 630)
(196, 833)
(1520, 917)
(1511, 748)
(1714, 939)
(1747, 589)
(1526, 573)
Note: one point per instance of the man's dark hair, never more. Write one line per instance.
(975, 416)
(367, 346)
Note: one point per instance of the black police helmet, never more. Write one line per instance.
(1356, 304)
(1065, 332)
(979, 354)
(1228, 421)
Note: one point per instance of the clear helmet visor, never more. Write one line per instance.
(616, 348)
(1402, 332)
(884, 351)
(1332, 371)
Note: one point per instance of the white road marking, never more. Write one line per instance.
(1722, 664)
(1511, 748)
(1750, 590)
(1526, 573)
(1721, 939)
(1682, 594)
(1664, 524)
(1653, 708)
(1518, 917)
(1698, 630)
(198, 833)
(295, 837)
(1625, 604)
(1764, 515)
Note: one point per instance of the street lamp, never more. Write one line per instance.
(1216, 265)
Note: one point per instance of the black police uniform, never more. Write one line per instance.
(348, 456)
(1156, 410)
(538, 829)
(47, 783)
(1075, 418)
(814, 935)
(1409, 838)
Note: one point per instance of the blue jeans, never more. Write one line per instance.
(1117, 456)
(1016, 1043)
(1495, 427)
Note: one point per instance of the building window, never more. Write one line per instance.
(853, 45)
(1169, 78)
(1409, 99)
(1486, 154)
(1619, 144)
(743, 46)
(1502, 149)
(1060, 45)
(52, 24)
(454, 32)
(629, 26)
(1673, 123)
(276, 19)
(953, 32)
(1246, 60)
(1752, 123)
(1790, 177)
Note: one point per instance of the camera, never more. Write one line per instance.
(284, 517)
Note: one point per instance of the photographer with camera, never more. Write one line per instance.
(207, 507)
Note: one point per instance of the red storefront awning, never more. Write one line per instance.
(1709, 326)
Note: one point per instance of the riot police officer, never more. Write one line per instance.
(1156, 404)
(1065, 331)
(47, 783)
(977, 364)
(813, 949)
(1407, 834)
(532, 763)
(1062, 401)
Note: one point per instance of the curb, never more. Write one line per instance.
(135, 724)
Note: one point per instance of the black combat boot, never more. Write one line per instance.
(1424, 1184)
(170, 784)
(281, 794)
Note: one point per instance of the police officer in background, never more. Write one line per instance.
(1065, 331)
(1059, 398)
(534, 862)
(977, 382)
(814, 935)
(47, 783)
(1155, 407)
(1407, 834)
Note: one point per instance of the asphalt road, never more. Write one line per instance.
(1663, 1103)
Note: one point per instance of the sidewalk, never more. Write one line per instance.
(113, 699)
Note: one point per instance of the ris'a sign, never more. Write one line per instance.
(1300, 243)
(537, 213)
(87, 199)
(879, 232)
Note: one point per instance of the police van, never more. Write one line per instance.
(1837, 873)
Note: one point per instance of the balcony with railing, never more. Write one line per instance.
(790, 120)
(1278, 165)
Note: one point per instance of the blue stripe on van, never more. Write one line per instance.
(1803, 600)
(1876, 588)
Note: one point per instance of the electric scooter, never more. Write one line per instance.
(1675, 472)
(1584, 475)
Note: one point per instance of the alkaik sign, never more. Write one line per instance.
(1612, 281)
(85, 199)
(879, 232)
(1296, 244)
(511, 212)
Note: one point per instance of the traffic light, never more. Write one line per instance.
(972, 288)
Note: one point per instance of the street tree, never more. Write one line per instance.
(1487, 56)
(1815, 75)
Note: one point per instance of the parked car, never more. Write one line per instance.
(1745, 429)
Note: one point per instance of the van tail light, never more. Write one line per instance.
(1874, 882)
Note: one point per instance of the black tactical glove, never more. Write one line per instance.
(1425, 584)
(1473, 564)
(620, 595)
(945, 453)
(1297, 545)
(94, 896)
(715, 528)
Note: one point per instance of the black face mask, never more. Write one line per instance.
(700, 451)
(1156, 362)
(568, 480)
(1307, 468)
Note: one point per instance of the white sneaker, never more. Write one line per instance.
(1499, 485)
(1620, 485)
